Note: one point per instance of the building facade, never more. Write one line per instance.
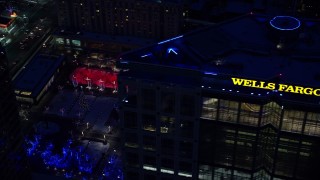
(140, 18)
(238, 100)
(13, 162)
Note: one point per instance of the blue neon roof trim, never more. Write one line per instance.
(285, 23)
(211, 73)
(174, 50)
(170, 39)
(146, 55)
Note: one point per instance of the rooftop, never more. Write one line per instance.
(253, 46)
(37, 74)
(4, 20)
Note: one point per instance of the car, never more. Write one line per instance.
(22, 47)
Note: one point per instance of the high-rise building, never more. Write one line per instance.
(13, 162)
(140, 18)
(238, 100)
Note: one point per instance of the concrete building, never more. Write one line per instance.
(237, 100)
(140, 18)
(13, 161)
(37, 76)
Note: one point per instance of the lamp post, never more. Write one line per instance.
(74, 81)
(101, 85)
(89, 83)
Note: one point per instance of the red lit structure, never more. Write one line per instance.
(96, 76)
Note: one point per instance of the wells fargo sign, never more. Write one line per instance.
(275, 86)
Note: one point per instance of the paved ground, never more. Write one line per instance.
(88, 109)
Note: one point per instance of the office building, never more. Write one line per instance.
(237, 100)
(140, 18)
(6, 24)
(13, 162)
(32, 83)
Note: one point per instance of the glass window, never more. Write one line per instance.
(131, 140)
(267, 147)
(249, 114)
(187, 105)
(205, 172)
(271, 114)
(132, 159)
(168, 102)
(148, 99)
(167, 163)
(186, 129)
(228, 110)
(149, 122)
(167, 146)
(150, 160)
(209, 108)
(222, 173)
(312, 124)
(167, 124)
(185, 166)
(186, 149)
(129, 92)
(292, 121)
(149, 143)
(130, 119)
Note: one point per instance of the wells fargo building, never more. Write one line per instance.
(238, 100)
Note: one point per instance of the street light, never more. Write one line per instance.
(89, 83)
(101, 85)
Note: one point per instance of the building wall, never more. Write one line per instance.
(247, 140)
(175, 131)
(122, 17)
(13, 162)
(160, 123)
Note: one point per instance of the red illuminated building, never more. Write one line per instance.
(96, 77)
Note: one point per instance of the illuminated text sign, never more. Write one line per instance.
(275, 86)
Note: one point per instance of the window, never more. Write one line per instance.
(249, 114)
(186, 149)
(187, 105)
(167, 146)
(149, 143)
(271, 114)
(293, 120)
(167, 163)
(186, 129)
(131, 95)
(168, 102)
(130, 119)
(312, 124)
(209, 108)
(150, 160)
(228, 110)
(148, 99)
(185, 166)
(132, 159)
(167, 124)
(149, 122)
(132, 140)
